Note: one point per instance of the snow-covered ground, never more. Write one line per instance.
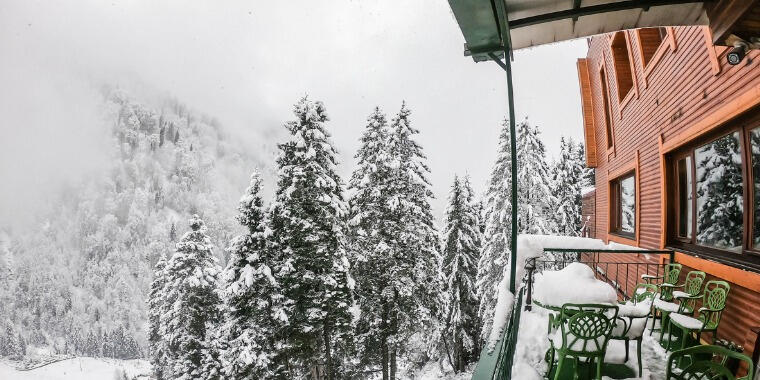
(81, 369)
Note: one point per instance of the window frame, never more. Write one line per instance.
(621, 40)
(667, 44)
(749, 257)
(616, 205)
(609, 130)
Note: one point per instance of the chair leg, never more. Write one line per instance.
(599, 362)
(670, 336)
(654, 319)
(576, 375)
(638, 353)
(664, 319)
(560, 362)
(626, 349)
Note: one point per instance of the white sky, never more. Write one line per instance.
(247, 62)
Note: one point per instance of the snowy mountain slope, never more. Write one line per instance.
(78, 280)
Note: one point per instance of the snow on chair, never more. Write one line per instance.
(632, 318)
(583, 333)
(713, 303)
(669, 277)
(687, 298)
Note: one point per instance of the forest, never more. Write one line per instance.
(327, 279)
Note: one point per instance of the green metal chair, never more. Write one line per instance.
(632, 325)
(583, 333)
(669, 277)
(687, 302)
(713, 303)
(705, 363)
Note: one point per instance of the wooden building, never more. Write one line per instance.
(673, 132)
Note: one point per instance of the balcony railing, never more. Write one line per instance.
(620, 268)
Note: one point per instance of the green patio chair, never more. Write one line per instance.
(583, 333)
(713, 302)
(669, 277)
(705, 363)
(691, 287)
(632, 318)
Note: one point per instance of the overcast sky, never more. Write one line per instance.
(247, 62)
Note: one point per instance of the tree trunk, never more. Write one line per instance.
(329, 370)
(393, 362)
(384, 355)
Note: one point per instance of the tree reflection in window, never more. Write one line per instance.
(628, 205)
(754, 137)
(719, 193)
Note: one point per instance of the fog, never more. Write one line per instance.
(246, 63)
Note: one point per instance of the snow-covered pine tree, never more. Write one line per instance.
(156, 307)
(567, 181)
(252, 298)
(461, 249)
(372, 236)
(192, 304)
(587, 173)
(534, 193)
(416, 270)
(308, 233)
(498, 218)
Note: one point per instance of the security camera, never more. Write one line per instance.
(737, 53)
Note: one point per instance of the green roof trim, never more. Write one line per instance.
(477, 20)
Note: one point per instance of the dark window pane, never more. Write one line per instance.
(754, 137)
(628, 205)
(684, 197)
(720, 205)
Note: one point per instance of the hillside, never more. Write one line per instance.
(77, 280)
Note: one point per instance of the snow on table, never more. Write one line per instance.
(573, 284)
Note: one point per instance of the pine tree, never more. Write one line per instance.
(494, 257)
(252, 297)
(567, 181)
(173, 233)
(192, 302)
(307, 226)
(416, 270)
(461, 249)
(156, 307)
(533, 182)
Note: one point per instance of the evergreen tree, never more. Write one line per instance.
(252, 297)
(461, 249)
(494, 257)
(156, 307)
(307, 226)
(416, 270)
(533, 182)
(567, 181)
(372, 235)
(192, 302)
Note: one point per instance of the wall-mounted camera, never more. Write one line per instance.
(740, 48)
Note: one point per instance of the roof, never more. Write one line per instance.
(538, 22)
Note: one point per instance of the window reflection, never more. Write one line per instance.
(719, 193)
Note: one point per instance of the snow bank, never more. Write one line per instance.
(573, 284)
(504, 304)
(81, 369)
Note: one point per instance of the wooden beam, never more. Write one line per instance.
(724, 14)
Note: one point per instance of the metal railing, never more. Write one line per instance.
(509, 342)
(623, 273)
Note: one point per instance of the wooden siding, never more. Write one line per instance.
(588, 113)
(690, 86)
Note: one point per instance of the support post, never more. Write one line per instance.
(513, 161)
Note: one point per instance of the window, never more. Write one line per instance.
(650, 40)
(606, 107)
(715, 195)
(622, 63)
(623, 206)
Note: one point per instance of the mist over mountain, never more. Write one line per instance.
(76, 275)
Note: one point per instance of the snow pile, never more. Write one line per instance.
(587, 190)
(532, 344)
(573, 284)
(504, 304)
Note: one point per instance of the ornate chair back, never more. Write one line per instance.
(644, 292)
(704, 364)
(588, 328)
(670, 276)
(692, 287)
(713, 303)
